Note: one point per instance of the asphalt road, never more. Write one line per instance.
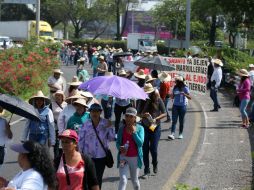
(215, 153)
(171, 153)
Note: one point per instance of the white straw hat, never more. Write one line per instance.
(148, 88)
(39, 94)
(140, 74)
(75, 81)
(164, 77)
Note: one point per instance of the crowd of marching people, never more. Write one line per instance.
(78, 125)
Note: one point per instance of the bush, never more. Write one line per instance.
(26, 70)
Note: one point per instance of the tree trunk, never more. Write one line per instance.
(77, 32)
(125, 17)
(212, 35)
(118, 35)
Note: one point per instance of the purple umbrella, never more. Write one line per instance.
(115, 86)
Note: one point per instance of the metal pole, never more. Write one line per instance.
(38, 10)
(187, 33)
(132, 21)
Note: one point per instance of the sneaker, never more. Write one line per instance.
(171, 137)
(155, 168)
(180, 136)
(146, 174)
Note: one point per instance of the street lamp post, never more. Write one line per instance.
(187, 32)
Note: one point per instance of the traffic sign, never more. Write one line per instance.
(19, 1)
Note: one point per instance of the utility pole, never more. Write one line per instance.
(187, 32)
(38, 15)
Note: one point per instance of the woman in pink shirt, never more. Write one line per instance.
(244, 95)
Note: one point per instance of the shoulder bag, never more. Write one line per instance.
(109, 157)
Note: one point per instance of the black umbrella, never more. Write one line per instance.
(17, 106)
(155, 63)
(121, 54)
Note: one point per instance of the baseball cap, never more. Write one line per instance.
(69, 133)
(131, 111)
(95, 106)
(19, 148)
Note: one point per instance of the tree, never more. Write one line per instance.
(16, 12)
(171, 13)
(207, 11)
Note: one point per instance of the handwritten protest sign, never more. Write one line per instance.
(193, 70)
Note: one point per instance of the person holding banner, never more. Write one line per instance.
(215, 83)
(180, 95)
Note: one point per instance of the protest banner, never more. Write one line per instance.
(193, 70)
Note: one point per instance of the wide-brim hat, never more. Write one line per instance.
(39, 94)
(76, 95)
(99, 48)
(217, 62)
(101, 57)
(251, 65)
(75, 81)
(164, 77)
(81, 101)
(81, 59)
(108, 73)
(148, 88)
(149, 78)
(140, 74)
(179, 78)
(122, 72)
(57, 71)
(70, 134)
(243, 73)
(59, 92)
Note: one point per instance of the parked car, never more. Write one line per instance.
(6, 41)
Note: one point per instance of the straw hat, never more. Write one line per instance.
(81, 59)
(99, 48)
(243, 73)
(217, 62)
(76, 95)
(140, 74)
(75, 81)
(179, 78)
(108, 74)
(57, 71)
(149, 78)
(164, 77)
(59, 92)
(81, 101)
(2, 112)
(148, 88)
(39, 94)
(101, 57)
(122, 72)
(251, 65)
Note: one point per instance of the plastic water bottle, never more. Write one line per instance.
(126, 146)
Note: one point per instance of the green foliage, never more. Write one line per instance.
(28, 68)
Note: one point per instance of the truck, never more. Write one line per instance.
(26, 30)
(141, 42)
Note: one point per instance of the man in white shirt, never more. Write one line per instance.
(56, 82)
(215, 83)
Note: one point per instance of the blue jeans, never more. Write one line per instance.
(151, 143)
(107, 108)
(213, 95)
(166, 103)
(243, 106)
(178, 111)
(94, 72)
(39, 138)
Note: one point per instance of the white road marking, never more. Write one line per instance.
(17, 121)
